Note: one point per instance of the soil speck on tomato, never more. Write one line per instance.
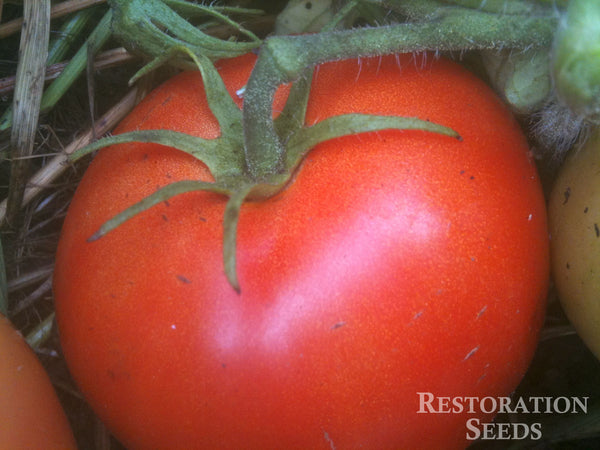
(567, 194)
(183, 279)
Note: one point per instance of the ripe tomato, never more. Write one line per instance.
(30, 413)
(395, 263)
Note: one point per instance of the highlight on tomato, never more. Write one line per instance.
(393, 263)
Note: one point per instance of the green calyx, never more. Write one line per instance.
(255, 156)
(225, 156)
(522, 78)
(576, 68)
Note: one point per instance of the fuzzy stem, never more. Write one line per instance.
(283, 59)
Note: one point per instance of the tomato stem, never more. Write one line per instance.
(283, 59)
(497, 6)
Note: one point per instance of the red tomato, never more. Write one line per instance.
(31, 416)
(395, 263)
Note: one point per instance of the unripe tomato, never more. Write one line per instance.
(394, 263)
(574, 211)
(31, 416)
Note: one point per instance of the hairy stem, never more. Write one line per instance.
(284, 58)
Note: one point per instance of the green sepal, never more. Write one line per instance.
(347, 124)
(161, 195)
(292, 117)
(576, 59)
(522, 78)
(224, 156)
(220, 102)
(230, 223)
(209, 151)
(230, 220)
(159, 61)
(192, 10)
(227, 113)
(152, 27)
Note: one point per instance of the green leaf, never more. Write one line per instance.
(212, 152)
(190, 10)
(152, 27)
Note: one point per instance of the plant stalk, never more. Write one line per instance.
(283, 59)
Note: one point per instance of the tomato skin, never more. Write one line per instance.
(573, 218)
(30, 413)
(395, 263)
